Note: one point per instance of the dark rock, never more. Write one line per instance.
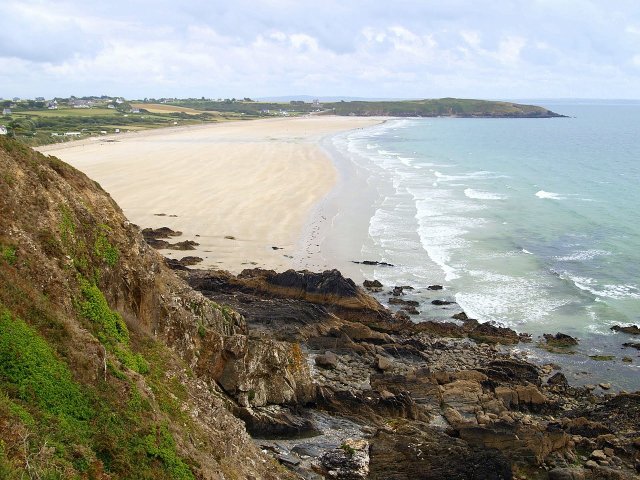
(229, 237)
(567, 474)
(410, 452)
(186, 261)
(328, 360)
(411, 310)
(635, 345)
(435, 287)
(560, 340)
(460, 316)
(558, 379)
(181, 264)
(186, 245)
(288, 460)
(442, 302)
(329, 282)
(276, 248)
(400, 301)
(630, 329)
(349, 461)
(373, 285)
(397, 291)
(513, 371)
(373, 262)
(489, 333)
(584, 427)
(276, 422)
(162, 232)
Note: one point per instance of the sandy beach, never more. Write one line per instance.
(238, 189)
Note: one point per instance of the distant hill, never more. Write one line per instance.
(444, 107)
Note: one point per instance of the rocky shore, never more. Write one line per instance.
(374, 395)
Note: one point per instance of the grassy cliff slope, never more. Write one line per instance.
(100, 344)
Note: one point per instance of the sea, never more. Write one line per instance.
(532, 224)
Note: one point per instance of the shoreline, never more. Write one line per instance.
(338, 233)
(318, 245)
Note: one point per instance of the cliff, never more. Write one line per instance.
(108, 361)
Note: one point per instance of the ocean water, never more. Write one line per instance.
(530, 223)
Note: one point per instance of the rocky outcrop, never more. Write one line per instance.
(629, 329)
(410, 451)
(561, 340)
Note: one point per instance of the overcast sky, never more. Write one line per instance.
(388, 48)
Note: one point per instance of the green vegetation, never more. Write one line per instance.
(438, 107)
(110, 327)
(8, 254)
(103, 249)
(348, 449)
(35, 124)
(31, 372)
(602, 358)
(160, 444)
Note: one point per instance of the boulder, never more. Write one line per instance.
(561, 340)
(372, 285)
(441, 302)
(434, 287)
(349, 461)
(558, 379)
(383, 363)
(329, 360)
(566, 474)
(513, 371)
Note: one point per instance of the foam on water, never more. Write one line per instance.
(550, 195)
(480, 195)
(456, 205)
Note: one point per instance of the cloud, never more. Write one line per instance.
(409, 48)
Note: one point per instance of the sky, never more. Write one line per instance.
(357, 48)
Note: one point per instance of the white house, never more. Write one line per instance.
(72, 134)
(3, 130)
(6, 111)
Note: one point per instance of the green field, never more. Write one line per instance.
(34, 124)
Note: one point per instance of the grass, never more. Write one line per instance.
(8, 254)
(103, 249)
(30, 371)
(110, 328)
(161, 445)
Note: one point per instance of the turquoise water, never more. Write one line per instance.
(531, 223)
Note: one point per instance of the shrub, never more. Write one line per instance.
(111, 329)
(8, 254)
(30, 371)
(162, 446)
(103, 249)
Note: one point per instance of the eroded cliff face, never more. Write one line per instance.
(157, 366)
